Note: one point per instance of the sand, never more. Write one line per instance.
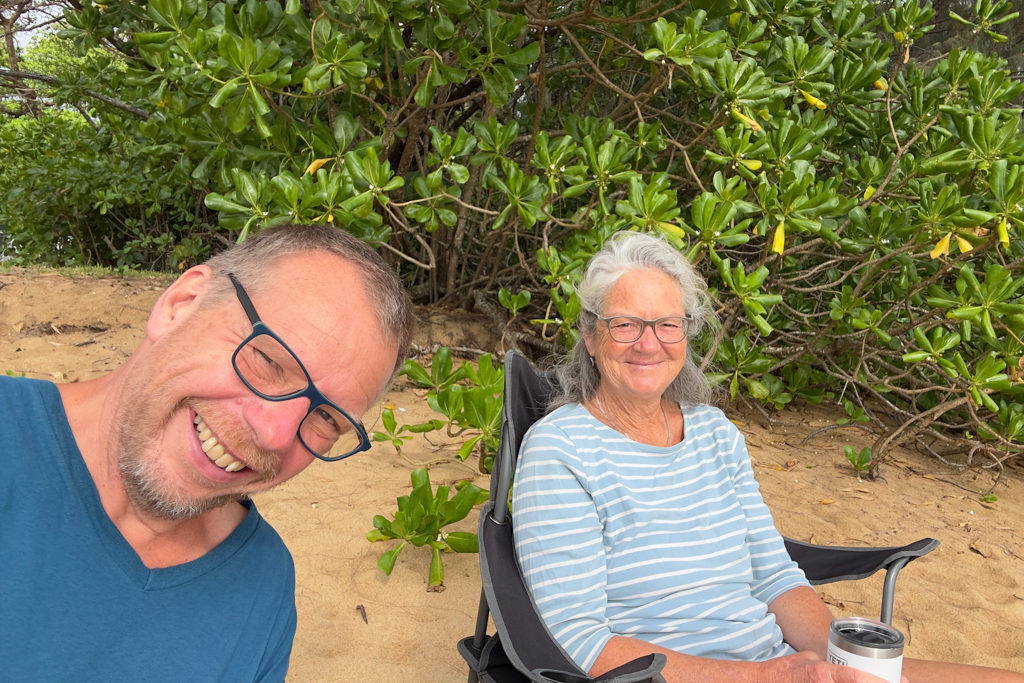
(964, 602)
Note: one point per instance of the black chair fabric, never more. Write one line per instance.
(523, 648)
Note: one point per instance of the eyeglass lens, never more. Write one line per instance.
(670, 329)
(272, 371)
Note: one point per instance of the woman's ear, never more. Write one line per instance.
(588, 341)
(178, 301)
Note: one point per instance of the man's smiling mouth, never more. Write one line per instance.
(216, 452)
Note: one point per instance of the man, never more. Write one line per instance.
(130, 549)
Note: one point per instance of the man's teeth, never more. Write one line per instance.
(214, 450)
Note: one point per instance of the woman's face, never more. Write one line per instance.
(643, 369)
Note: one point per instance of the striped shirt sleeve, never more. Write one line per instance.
(559, 543)
(773, 571)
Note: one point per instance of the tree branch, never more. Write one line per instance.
(19, 76)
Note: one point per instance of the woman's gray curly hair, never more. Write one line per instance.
(578, 376)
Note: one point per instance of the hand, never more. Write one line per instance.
(808, 667)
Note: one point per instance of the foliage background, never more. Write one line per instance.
(846, 174)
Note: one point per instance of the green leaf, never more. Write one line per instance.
(225, 91)
(386, 562)
(462, 542)
(436, 574)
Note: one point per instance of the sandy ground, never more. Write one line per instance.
(964, 602)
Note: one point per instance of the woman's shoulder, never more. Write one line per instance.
(709, 422)
(705, 414)
(564, 415)
(562, 422)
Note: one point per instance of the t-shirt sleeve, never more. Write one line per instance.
(274, 667)
(773, 570)
(559, 543)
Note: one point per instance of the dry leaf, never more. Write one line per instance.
(826, 501)
(315, 165)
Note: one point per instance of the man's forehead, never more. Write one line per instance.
(320, 307)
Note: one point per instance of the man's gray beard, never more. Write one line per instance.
(140, 480)
(145, 483)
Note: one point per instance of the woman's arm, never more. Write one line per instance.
(774, 572)
(803, 667)
(803, 618)
(559, 544)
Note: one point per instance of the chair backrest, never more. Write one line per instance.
(527, 392)
(512, 608)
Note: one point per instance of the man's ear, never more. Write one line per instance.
(178, 301)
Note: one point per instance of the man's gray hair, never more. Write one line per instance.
(578, 376)
(252, 259)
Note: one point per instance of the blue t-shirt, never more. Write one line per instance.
(77, 603)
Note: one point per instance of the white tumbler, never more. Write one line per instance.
(866, 645)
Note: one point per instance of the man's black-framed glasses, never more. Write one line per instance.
(273, 372)
(670, 329)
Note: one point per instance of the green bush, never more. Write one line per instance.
(856, 210)
(72, 198)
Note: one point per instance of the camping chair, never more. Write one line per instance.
(523, 649)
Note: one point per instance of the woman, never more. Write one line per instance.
(639, 526)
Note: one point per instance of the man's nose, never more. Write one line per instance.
(275, 424)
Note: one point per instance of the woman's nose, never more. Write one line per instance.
(648, 340)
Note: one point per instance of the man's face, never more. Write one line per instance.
(192, 436)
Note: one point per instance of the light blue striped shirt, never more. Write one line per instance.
(673, 545)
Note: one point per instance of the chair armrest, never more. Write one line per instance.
(828, 563)
(646, 669)
(825, 564)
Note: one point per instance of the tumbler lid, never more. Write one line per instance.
(866, 637)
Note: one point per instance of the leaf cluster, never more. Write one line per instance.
(468, 397)
(420, 521)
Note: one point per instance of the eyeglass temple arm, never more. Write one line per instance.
(244, 299)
